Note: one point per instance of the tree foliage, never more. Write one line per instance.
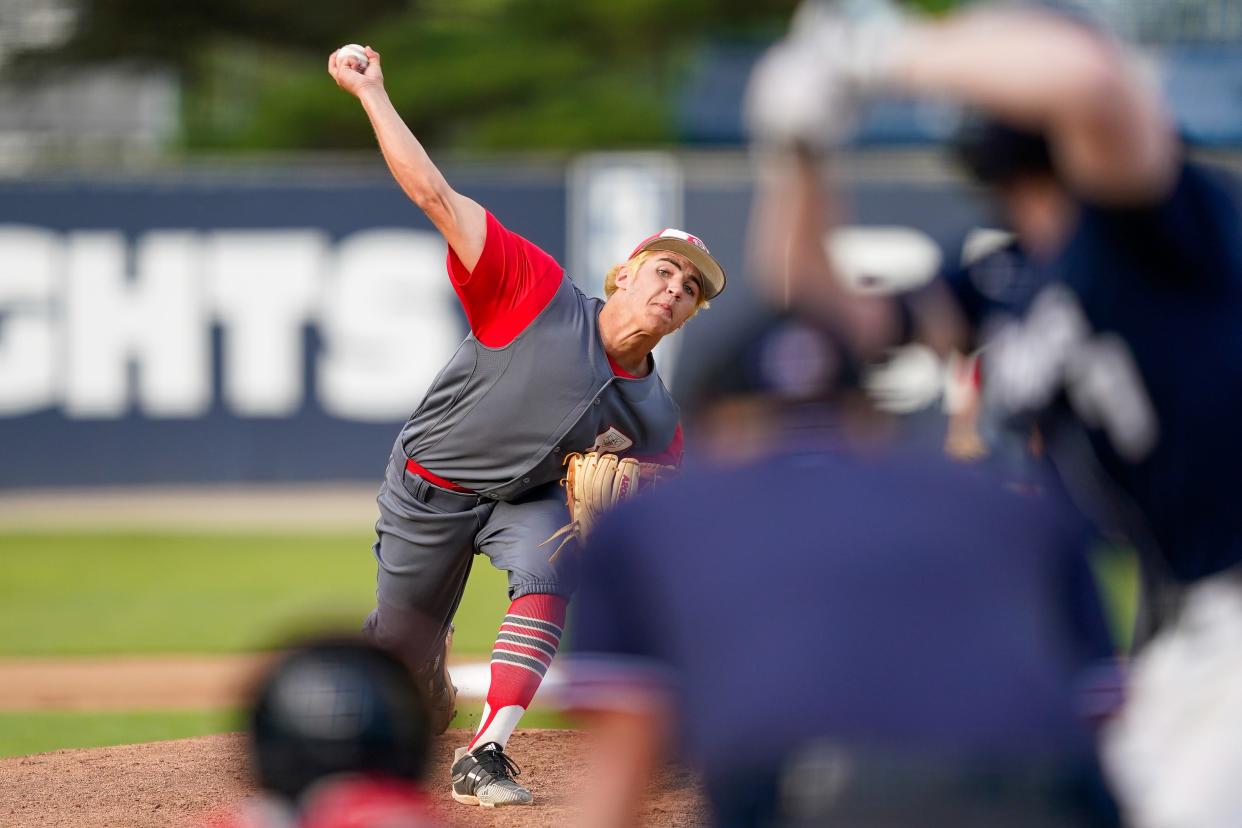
(479, 74)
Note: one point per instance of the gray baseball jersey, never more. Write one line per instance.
(498, 420)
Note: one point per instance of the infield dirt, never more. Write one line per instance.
(177, 782)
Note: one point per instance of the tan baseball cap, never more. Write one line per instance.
(693, 248)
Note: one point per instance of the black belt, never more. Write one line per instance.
(442, 499)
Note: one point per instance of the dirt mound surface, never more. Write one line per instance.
(175, 782)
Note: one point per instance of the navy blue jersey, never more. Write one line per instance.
(891, 602)
(999, 282)
(1131, 363)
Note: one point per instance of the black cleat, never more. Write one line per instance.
(484, 777)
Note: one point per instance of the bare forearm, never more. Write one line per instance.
(1108, 129)
(793, 214)
(413, 169)
(461, 221)
(1026, 67)
(628, 746)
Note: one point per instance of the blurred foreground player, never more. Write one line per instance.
(1128, 356)
(545, 372)
(861, 634)
(339, 737)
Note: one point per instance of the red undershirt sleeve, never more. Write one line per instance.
(511, 283)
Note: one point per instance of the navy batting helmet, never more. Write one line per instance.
(333, 706)
(997, 153)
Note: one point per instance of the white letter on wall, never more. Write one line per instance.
(157, 321)
(30, 262)
(388, 324)
(264, 285)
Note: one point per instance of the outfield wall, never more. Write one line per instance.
(279, 324)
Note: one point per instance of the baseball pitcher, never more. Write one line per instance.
(545, 373)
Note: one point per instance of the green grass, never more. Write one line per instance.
(75, 594)
(66, 595)
(469, 712)
(91, 595)
(26, 732)
(1116, 572)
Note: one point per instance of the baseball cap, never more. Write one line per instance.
(693, 248)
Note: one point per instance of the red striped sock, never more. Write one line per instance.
(525, 645)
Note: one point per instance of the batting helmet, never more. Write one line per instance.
(996, 153)
(336, 706)
(783, 357)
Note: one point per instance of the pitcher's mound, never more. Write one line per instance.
(172, 783)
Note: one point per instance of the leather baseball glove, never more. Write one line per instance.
(594, 483)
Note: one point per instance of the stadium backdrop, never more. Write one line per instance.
(278, 325)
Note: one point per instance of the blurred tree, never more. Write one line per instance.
(479, 74)
(487, 74)
(176, 33)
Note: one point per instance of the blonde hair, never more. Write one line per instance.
(610, 281)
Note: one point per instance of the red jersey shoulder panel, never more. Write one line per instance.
(512, 282)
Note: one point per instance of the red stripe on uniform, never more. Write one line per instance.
(414, 467)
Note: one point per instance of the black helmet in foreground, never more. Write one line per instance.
(331, 706)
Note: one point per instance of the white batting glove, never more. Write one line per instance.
(911, 379)
(791, 101)
(807, 89)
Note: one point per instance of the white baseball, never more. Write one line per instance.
(352, 50)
